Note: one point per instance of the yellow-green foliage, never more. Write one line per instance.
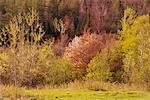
(58, 24)
(24, 61)
(98, 68)
(103, 63)
(135, 41)
(58, 71)
(4, 62)
(25, 27)
(22, 30)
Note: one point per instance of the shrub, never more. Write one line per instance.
(35, 65)
(57, 72)
(98, 68)
(105, 65)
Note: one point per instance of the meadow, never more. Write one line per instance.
(15, 93)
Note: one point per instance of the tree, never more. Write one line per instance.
(135, 35)
(141, 6)
(28, 62)
(82, 49)
(105, 13)
(24, 33)
(65, 27)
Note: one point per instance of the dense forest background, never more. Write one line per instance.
(82, 13)
(60, 41)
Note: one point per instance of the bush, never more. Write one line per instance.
(35, 66)
(98, 68)
(57, 72)
(106, 64)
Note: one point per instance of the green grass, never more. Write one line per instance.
(88, 95)
(12, 93)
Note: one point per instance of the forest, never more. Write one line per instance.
(97, 45)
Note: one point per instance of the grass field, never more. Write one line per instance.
(12, 93)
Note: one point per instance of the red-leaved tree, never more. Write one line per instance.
(82, 49)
